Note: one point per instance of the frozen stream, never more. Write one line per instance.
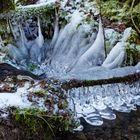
(73, 53)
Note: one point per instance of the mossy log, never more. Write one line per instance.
(9, 70)
(86, 83)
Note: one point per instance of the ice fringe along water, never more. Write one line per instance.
(101, 102)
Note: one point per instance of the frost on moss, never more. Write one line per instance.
(132, 50)
(36, 119)
(26, 2)
(132, 55)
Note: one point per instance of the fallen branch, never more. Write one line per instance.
(86, 83)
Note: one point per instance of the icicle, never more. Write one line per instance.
(98, 102)
(40, 39)
(12, 30)
(95, 54)
(36, 53)
(23, 43)
(1, 42)
(61, 37)
(75, 47)
(115, 57)
(56, 32)
(126, 34)
(22, 35)
(68, 30)
(8, 27)
(74, 62)
(75, 43)
(64, 47)
(15, 53)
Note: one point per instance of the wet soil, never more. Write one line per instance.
(13, 130)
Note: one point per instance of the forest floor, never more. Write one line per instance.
(125, 127)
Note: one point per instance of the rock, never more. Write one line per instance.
(9, 70)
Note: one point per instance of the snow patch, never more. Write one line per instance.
(17, 99)
(38, 4)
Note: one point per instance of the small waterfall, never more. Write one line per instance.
(23, 43)
(40, 39)
(56, 31)
(100, 102)
(73, 53)
(65, 36)
(95, 55)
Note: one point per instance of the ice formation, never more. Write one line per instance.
(101, 102)
(72, 54)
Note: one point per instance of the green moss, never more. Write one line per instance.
(116, 10)
(133, 37)
(46, 11)
(132, 55)
(40, 92)
(63, 104)
(32, 67)
(3, 24)
(36, 119)
(29, 117)
(112, 9)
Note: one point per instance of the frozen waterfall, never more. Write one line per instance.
(73, 53)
